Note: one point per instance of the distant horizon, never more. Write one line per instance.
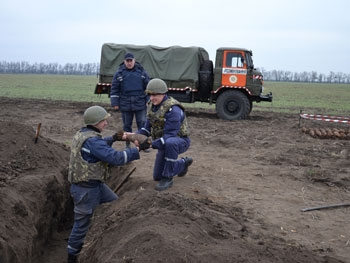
(260, 68)
(94, 69)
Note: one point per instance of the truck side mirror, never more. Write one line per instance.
(242, 60)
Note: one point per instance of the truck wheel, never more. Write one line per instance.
(232, 105)
(205, 79)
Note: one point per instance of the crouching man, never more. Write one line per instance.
(167, 124)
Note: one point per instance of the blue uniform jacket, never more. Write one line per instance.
(174, 118)
(128, 88)
(97, 149)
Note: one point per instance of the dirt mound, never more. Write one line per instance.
(168, 227)
(33, 192)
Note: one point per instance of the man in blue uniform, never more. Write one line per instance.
(128, 92)
(90, 161)
(167, 124)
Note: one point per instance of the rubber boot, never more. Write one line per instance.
(164, 183)
(188, 161)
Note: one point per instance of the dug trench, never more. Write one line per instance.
(241, 200)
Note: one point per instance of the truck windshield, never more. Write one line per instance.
(234, 60)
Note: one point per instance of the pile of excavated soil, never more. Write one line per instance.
(34, 197)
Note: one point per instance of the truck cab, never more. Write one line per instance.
(236, 83)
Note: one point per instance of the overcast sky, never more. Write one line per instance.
(294, 35)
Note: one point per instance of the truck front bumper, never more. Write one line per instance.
(267, 97)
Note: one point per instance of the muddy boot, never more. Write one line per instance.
(188, 161)
(164, 183)
(72, 258)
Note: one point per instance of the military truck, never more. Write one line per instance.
(233, 84)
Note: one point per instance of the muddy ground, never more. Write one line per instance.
(241, 200)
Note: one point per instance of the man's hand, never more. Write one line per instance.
(140, 140)
(146, 144)
(118, 136)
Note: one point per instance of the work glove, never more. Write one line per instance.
(118, 136)
(146, 144)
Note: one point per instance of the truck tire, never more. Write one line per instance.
(233, 105)
(205, 80)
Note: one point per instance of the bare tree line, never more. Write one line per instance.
(313, 76)
(50, 68)
(24, 67)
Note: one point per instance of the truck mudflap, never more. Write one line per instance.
(267, 97)
(103, 88)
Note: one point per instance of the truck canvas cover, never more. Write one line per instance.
(172, 64)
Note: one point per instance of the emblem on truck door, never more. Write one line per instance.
(233, 79)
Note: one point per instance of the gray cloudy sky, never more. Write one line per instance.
(295, 35)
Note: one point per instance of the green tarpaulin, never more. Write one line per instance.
(172, 64)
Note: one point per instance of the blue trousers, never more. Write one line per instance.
(86, 199)
(167, 163)
(128, 118)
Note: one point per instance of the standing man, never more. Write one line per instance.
(167, 124)
(89, 167)
(128, 92)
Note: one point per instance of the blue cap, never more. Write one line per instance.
(129, 56)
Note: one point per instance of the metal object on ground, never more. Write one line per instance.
(37, 133)
(325, 207)
(124, 179)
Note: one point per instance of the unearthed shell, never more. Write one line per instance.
(327, 133)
